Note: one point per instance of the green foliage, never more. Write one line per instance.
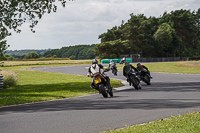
(187, 123)
(72, 57)
(3, 47)
(31, 55)
(22, 53)
(164, 37)
(79, 51)
(10, 58)
(10, 78)
(174, 34)
(6, 55)
(111, 35)
(112, 49)
(15, 13)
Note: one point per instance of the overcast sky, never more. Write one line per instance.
(82, 21)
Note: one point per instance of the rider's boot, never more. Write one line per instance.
(128, 80)
(140, 87)
(110, 88)
(93, 86)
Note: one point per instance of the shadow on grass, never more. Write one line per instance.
(43, 92)
(126, 99)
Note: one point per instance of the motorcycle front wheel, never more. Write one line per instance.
(135, 83)
(103, 91)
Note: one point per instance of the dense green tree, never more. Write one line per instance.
(164, 38)
(111, 35)
(3, 47)
(10, 58)
(112, 49)
(173, 34)
(21, 53)
(79, 51)
(31, 55)
(133, 33)
(185, 26)
(72, 57)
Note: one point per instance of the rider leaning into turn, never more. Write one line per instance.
(143, 68)
(95, 68)
(127, 69)
(111, 64)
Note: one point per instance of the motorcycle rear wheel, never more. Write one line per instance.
(147, 80)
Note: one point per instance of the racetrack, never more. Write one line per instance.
(169, 95)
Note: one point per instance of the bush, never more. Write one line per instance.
(31, 55)
(72, 57)
(10, 58)
(10, 78)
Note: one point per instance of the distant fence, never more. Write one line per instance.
(164, 59)
(104, 61)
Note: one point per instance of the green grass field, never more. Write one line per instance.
(188, 123)
(35, 86)
(187, 67)
(47, 62)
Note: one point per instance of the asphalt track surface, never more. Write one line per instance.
(169, 95)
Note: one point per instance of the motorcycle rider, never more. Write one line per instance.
(143, 68)
(127, 69)
(123, 60)
(94, 69)
(112, 65)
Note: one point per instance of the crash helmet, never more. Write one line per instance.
(94, 61)
(111, 61)
(138, 64)
(127, 63)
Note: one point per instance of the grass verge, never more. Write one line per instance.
(35, 86)
(49, 62)
(187, 123)
(188, 67)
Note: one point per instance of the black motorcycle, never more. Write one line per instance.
(122, 62)
(114, 70)
(145, 77)
(134, 80)
(101, 84)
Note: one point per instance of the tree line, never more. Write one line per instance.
(174, 34)
(73, 52)
(21, 53)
